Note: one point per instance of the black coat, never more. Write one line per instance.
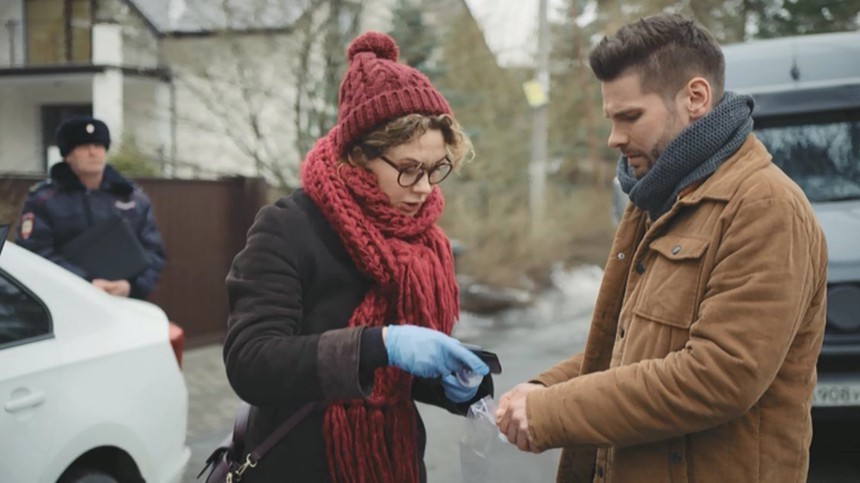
(291, 291)
(60, 208)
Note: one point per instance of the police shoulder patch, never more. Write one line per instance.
(26, 225)
(41, 184)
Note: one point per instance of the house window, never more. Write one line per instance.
(59, 31)
(80, 24)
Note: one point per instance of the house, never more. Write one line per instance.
(206, 88)
(65, 57)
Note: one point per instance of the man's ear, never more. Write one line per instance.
(698, 96)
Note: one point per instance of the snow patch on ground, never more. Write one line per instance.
(571, 298)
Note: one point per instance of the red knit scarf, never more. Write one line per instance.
(410, 261)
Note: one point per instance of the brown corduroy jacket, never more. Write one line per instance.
(700, 360)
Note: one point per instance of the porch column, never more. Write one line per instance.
(108, 85)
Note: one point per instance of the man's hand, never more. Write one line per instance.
(512, 419)
(120, 288)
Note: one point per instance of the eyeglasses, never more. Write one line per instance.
(409, 176)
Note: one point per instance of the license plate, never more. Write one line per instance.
(835, 394)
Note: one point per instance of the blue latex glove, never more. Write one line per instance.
(429, 353)
(456, 391)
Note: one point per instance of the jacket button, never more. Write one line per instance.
(622, 333)
(600, 471)
(640, 269)
(675, 457)
(676, 249)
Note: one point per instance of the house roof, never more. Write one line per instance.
(154, 12)
(201, 16)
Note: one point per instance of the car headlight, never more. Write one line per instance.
(843, 307)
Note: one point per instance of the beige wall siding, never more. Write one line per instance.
(214, 132)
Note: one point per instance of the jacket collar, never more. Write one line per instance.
(749, 158)
(720, 186)
(112, 181)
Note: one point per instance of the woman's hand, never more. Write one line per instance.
(428, 353)
(458, 392)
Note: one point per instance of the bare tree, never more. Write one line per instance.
(268, 86)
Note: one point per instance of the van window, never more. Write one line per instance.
(820, 152)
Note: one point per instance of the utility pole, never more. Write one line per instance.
(582, 73)
(540, 123)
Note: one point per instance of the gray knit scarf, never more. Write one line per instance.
(694, 155)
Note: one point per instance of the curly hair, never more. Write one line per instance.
(407, 128)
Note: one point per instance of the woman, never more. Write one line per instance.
(345, 291)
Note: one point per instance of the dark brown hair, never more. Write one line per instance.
(666, 50)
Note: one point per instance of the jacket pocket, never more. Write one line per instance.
(670, 290)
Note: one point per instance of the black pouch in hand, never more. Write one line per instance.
(489, 358)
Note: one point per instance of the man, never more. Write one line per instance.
(700, 361)
(82, 192)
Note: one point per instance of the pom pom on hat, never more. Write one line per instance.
(376, 89)
(376, 43)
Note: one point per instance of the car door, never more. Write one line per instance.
(28, 382)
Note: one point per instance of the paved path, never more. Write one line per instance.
(211, 404)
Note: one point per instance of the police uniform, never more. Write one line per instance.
(60, 208)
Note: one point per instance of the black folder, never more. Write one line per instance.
(109, 250)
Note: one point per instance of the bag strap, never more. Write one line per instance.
(234, 444)
(285, 427)
(240, 426)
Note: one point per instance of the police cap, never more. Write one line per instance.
(79, 130)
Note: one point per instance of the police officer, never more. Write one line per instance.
(81, 192)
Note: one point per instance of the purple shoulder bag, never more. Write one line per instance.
(229, 461)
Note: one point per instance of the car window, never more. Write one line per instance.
(820, 152)
(23, 317)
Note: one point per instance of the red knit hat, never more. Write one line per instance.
(376, 88)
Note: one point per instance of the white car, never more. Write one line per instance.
(90, 386)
